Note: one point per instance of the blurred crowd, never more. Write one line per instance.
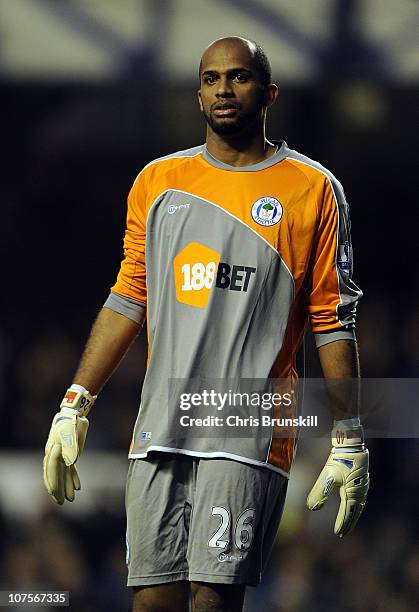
(374, 569)
(63, 207)
(84, 557)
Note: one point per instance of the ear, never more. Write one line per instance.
(200, 101)
(271, 94)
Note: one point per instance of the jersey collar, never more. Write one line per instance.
(266, 163)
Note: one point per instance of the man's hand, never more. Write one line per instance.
(346, 469)
(65, 444)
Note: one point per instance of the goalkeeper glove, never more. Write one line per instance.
(65, 444)
(346, 469)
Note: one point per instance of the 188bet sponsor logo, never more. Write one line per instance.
(198, 269)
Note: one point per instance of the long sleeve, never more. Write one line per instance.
(333, 295)
(131, 280)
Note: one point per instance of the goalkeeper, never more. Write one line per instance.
(230, 249)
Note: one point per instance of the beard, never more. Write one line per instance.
(235, 125)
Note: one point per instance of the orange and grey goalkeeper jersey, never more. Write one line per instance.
(231, 263)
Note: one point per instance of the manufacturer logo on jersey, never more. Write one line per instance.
(267, 211)
(146, 435)
(197, 269)
(174, 207)
(223, 557)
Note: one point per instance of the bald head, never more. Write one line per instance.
(254, 52)
(232, 41)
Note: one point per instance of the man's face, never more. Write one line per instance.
(231, 96)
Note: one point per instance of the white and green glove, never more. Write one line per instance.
(65, 444)
(346, 469)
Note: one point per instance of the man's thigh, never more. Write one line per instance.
(173, 597)
(235, 515)
(158, 508)
(217, 597)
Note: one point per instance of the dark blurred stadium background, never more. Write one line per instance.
(91, 90)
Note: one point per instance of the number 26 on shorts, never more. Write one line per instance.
(243, 530)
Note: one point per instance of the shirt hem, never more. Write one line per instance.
(210, 455)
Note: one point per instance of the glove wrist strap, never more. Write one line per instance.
(348, 434)
(79, 399)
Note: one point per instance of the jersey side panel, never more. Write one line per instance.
(284, 375)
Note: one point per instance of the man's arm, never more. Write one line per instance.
(114, 330)
(346, 468)
(111, 336)
(340, 365)
(332, 301)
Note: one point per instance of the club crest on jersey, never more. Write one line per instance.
(267, 211)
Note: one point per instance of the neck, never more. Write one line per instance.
(243, 150)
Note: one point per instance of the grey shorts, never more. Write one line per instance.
(203, 520)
